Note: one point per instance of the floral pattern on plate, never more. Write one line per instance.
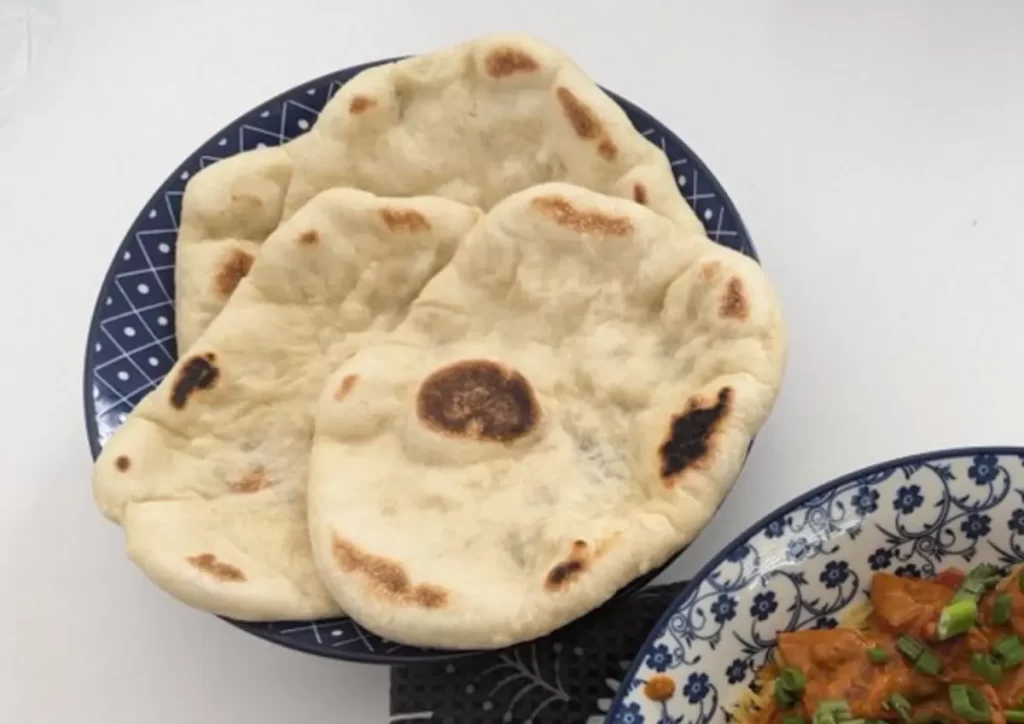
(807, 563)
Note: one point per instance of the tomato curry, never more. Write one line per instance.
(948, 649)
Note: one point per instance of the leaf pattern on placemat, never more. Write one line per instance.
(569, 677)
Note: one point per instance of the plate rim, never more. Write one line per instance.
(89, 408)
(798, 501)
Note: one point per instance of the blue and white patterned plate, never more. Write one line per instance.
(806, 563)
(131, 343)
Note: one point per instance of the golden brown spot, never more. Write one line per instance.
(208, 563)
(232, 271)
(506, 61)
(607, 149)
(478, 399)
(198, 373)
(404, 220)
(309, 237)
(734, 303)
(387, 578)
(122, 463)
(640, 193)
(360, 103)
(252, 482)
(659, 688)
(709, 271)
(689, 439)
(564, 573)
(247, 199)
(583, 120)
(347, 383)
(579, 560)
(584, 222)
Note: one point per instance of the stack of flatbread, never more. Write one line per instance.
(459, 362)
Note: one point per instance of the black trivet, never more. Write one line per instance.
(569, 677)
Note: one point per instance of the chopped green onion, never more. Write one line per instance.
(793, 719)
(878, 655)
(910, 646)
(987, 667)
(832, 712)
(1009, 650)
(969, 591)
(793, 679)
(899, 704)
(784, 696)
(928, 663)
(969, 703)
(836, 706)
(789, 686)
(957, 618)
(1001, 611)
(985, 572)
(1014, 715)
(978, 580)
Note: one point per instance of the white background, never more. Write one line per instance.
(874, 148)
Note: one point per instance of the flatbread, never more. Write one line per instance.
(208, 474)
(228, 211)
(563, 408)
(474, 123)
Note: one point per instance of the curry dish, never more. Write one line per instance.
(947, 649)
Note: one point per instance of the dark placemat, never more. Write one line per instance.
(569, 677)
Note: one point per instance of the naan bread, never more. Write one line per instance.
(473, 122)
(228, 211)
(208, 474)
(563, 408)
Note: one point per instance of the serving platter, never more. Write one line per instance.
(811, 560)
(131, 343)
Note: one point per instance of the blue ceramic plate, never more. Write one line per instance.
(806, 563)
(131, 342)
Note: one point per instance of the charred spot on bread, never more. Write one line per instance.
(582, 221)
(232, 270)
(386, 578)
(689, 440)
(480, 400)
(360, 104)
(404, 220)
(197, 373)
(734, 302)
(503, 62)
(208, 563)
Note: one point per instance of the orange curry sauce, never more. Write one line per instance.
(838, 664)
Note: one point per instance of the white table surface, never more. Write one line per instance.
(875, 150)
